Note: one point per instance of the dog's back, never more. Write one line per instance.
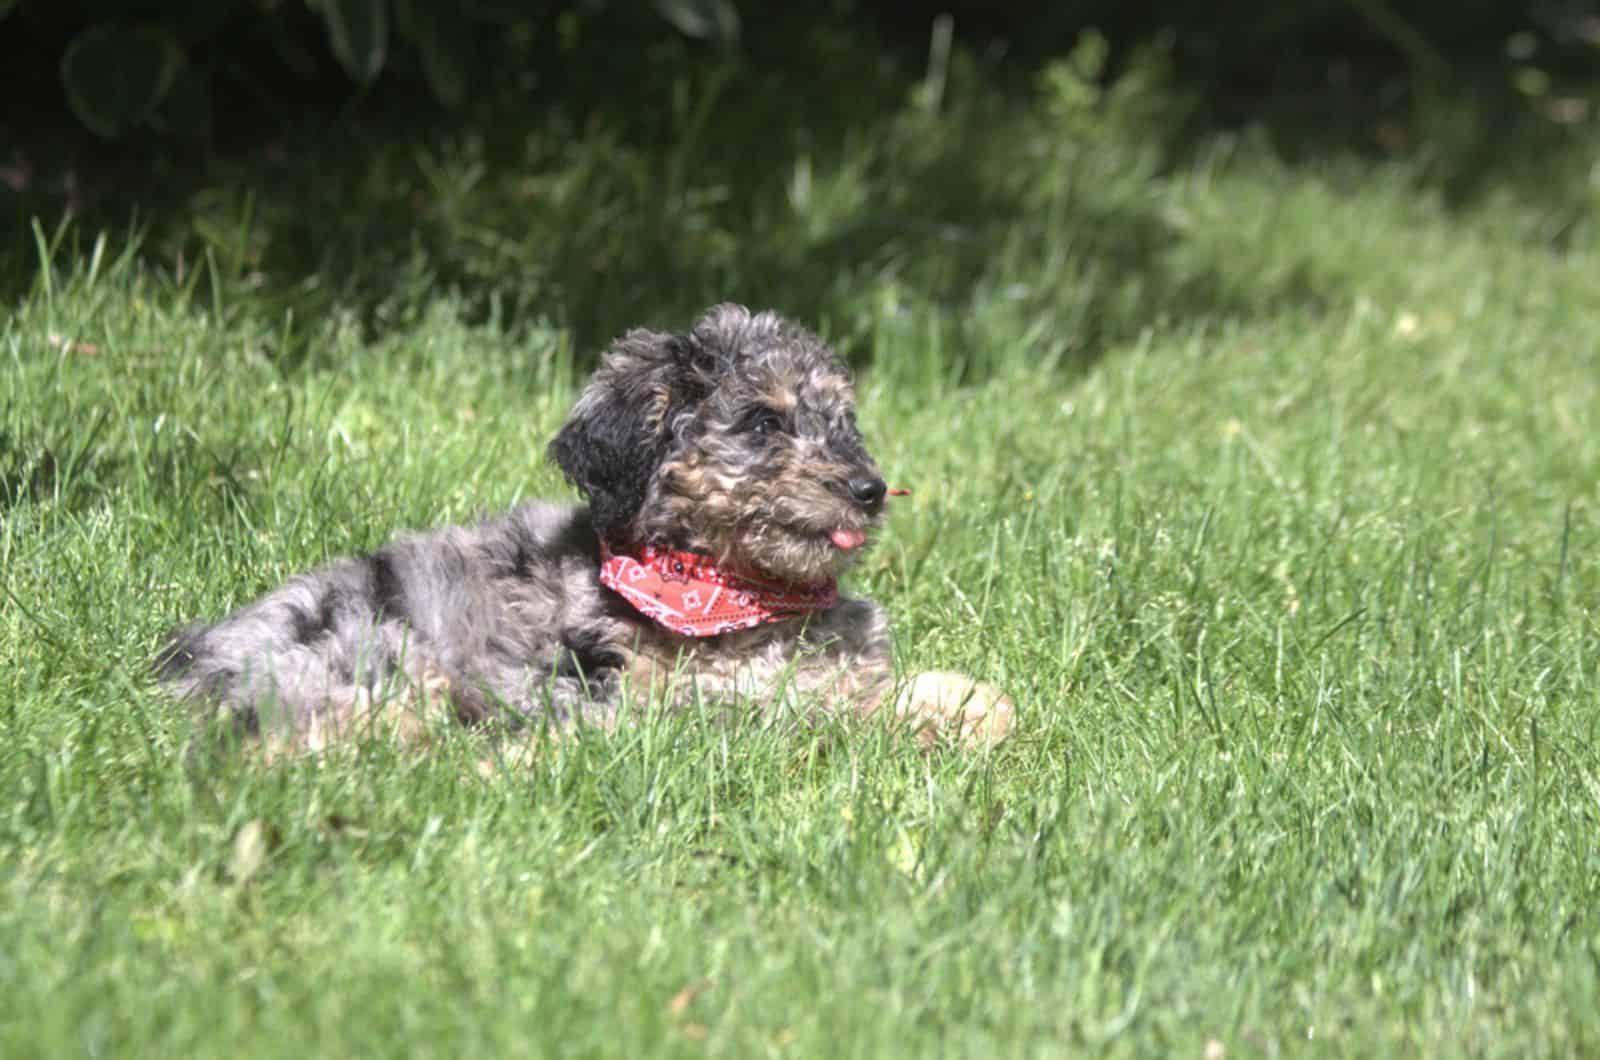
(483, 613)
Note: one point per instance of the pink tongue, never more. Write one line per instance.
(848, 539)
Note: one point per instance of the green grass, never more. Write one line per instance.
(1270, 491)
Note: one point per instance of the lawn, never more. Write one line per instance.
(1270, 487)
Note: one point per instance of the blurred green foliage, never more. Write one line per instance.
(154, 67)
(587, 165)
(181, 69)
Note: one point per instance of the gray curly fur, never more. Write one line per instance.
(736, 439)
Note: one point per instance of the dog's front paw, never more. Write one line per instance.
(944, 704)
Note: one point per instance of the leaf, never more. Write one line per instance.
(702, 19)
(116, 74)
(250, 849)
(186, 110)
(7, 6)
(358, 33)
(66, 345)
(444, 41)
(681, 1000)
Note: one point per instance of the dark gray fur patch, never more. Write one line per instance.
(388, 595)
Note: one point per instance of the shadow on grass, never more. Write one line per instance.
(812, 174)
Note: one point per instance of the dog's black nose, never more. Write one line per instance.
(868, 492)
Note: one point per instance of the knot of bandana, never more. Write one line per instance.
(689, 594)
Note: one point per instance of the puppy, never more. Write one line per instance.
(728, 487)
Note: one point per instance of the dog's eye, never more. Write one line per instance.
(763, 422)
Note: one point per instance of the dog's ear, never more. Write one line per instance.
(623, 424)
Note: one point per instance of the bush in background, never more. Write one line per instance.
(174, 69)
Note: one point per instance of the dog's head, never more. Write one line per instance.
(737, 439)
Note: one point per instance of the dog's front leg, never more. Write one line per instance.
(940, 703)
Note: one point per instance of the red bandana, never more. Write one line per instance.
(688, 594)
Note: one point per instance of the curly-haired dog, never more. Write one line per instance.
(728, 488)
